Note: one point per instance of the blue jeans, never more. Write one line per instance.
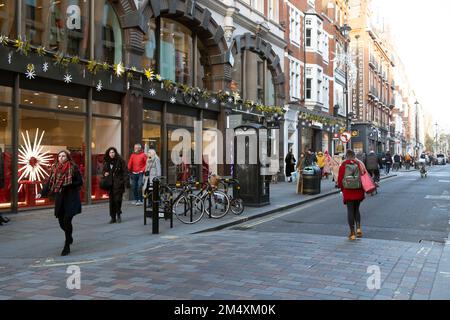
(136, 183)
(388, 168)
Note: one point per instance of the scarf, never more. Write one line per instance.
(61, 176)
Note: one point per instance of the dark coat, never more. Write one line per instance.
(68, 202)
(349, 194)
(119, 173)
(290, 164)
(372, 161)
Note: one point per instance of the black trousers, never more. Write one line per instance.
(375, 174)
(66, 225)
(115, 205)
(353, 214)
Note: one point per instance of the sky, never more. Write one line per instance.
(421, 37)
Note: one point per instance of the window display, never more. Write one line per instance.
(5, 157)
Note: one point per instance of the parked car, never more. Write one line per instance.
(441, 159)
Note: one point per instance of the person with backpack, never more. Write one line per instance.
(349, 182)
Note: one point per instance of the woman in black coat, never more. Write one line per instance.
(290, 164)
(64, 185)
(115, 168)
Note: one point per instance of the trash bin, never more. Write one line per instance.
(312, 178)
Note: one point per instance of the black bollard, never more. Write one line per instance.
(155, 206)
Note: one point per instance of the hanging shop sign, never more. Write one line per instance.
(346, 137)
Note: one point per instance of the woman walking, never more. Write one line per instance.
(350, 183)
(290, 164)
(115, 167)
(64, 185)
(152, 169)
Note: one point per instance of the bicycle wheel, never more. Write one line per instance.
(220, 204)
(189, 209)
(237, 206)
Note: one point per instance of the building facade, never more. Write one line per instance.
(87, 75)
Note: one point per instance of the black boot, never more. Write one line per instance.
(119, 219)
(66, 250)
(112, 221)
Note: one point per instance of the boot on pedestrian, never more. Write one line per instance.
(352, 235)
(359, 233)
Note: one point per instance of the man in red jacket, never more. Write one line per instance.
(352, 197)
(136, 166)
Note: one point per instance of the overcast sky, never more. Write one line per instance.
(421, 36)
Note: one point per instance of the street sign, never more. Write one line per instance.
(346, 136)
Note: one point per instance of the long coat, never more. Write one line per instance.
(68, 202)
(350, 194)
(120, 178)
(290, 164)
(152, 170)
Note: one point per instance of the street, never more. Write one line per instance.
(300, 253)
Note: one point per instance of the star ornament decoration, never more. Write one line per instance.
(173, 100)
(67, 78)
(149, 74)
(119, 69)
(45, 67)
(33, 161)
(99, 86)
(152, 92)
(31, 72)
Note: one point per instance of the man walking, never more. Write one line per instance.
(388, 162)
(136, 166)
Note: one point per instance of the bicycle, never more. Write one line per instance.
(216, 202)
(236, 203)
(187, 207)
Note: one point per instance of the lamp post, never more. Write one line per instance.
(345, 30)
(417, 128)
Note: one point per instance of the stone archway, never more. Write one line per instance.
(251, 42)
(201, 22)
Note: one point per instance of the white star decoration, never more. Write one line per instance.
(230, 99)
(45, 67)
(214, 101)
(33, 161)
(30, 74)
(152, 92)
(173, 100)
(99, 86)
(67, 78)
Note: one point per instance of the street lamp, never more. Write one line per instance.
(417, 127)
(345, 30)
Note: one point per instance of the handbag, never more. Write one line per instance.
(106, 183)
(367, 183)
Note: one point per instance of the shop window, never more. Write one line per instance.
(54, 132)
(5, 95)
(106, 133)
(7, 18)
(152, 116)
(151, 138)
(108, 33)
(31, 98)
(178, 61)
(58, 25)
(106, 109)
(210, 156)
(180, 120)
(5, 158)
(254, 81)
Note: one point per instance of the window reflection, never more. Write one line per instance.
(107, 28)
(52, 101)
(7, 18)
(58, 25)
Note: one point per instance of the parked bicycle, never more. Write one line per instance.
(236, 203)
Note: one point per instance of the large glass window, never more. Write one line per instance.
(105, 133)
(52, 101)
(182, 56)
(7, 18)
(58, 132)
(5, 157)
(108, 33)
(5, 95)
(252, 78)
(58, 25)
(106, 109)
(151, 137)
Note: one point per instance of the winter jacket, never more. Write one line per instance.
(290, 164)
(388, 158)
(119, 174)
(350, 194)
(152, 170)
(321, 161)
(68, 202)
(372, 161)
(137, 163)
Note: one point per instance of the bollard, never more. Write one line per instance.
(155, 207)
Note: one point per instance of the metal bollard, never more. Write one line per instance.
(155, 207)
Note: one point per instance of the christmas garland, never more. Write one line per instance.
(190, 94)
(320, 119)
